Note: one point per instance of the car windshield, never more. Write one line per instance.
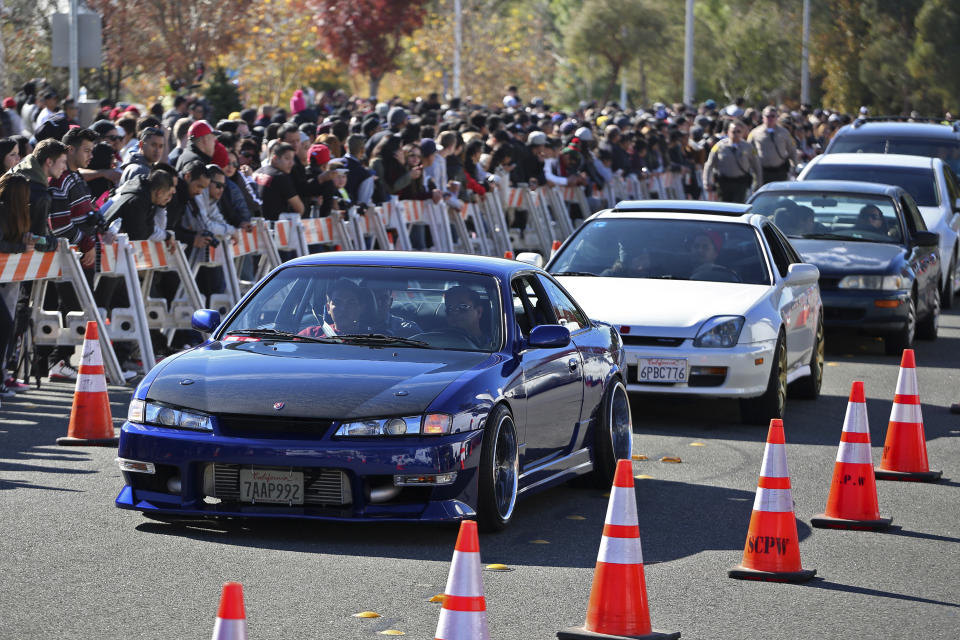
(946, 150)
(919, 183)
(847, 216)
(666, 249)
(377, 306)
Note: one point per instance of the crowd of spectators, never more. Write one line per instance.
(185, 174)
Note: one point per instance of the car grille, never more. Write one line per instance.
(651, 341)
(242, 426)
(321, 486)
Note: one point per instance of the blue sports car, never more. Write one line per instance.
(380, 386)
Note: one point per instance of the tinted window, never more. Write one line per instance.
(780, 257)
(945, 149)
(919, 183)
(530, 308)
(843, 216)
(665, 248)
(563, 307)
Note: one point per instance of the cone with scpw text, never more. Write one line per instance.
(618, 599)
(905, 447)
(852, 503)
(464, 612)
(231, 621)
(91, 423)
(772, 550)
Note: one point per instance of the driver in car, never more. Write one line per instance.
(344, 310)
(870, 218)
(464, 309)
(705, 248)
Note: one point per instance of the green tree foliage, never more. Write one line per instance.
(936, 52)
(222, 95)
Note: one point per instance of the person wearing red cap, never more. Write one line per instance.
(320, 179)
(10, 122)
(200, 146)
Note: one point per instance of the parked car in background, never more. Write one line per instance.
(902, 136)
(879, 265)
(709, 301)
(930, 181)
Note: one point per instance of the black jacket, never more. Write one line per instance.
(133, 207)
(190, 154)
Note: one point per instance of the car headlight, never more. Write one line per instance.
(164, 415)
(876, 283)
(431, 424)
(720, 332)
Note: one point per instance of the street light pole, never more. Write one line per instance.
(457, 44)
(688, 82)
(805, 56)
(74, 51)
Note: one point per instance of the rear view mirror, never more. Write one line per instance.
(530, 257)
(205, 320)
(823, 203)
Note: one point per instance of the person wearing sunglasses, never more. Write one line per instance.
(464, 309)
(870, 218)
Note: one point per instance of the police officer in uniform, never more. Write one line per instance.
(775, 146)
(735, 164)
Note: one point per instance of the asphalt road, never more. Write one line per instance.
(74, 566)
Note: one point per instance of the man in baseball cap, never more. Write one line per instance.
(200, 146)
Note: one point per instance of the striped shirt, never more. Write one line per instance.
(70, 208)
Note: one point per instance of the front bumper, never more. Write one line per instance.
(858, 310)
(183, 459)
(743, 378)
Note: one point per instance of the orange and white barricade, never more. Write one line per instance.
(62, 265)
(327, 230)
(538, 217)
(559, 212)
(491, 206)
(370, 226)
(577, 196)
(248, 244)
(405, 214)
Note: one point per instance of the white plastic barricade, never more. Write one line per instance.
(329, 230)
(370, 228)
(575, 195)
(408, 213)
(559, 212)
(62, 265)
(539, 219)
(492, 210)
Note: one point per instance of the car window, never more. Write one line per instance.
(946, 149)
(830, 215)
(919, 183)
(666, 249)
(912, 215)
(531, 306)
(443, 308)
(953, 188)
(792, 256)
(564, 308)
(780, 257)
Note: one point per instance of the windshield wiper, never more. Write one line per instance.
(278, 335)
(379, 338)
(833, 236)
(574, 273)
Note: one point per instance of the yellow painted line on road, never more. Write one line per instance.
(366, 614)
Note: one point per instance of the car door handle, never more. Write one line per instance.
(572, 363)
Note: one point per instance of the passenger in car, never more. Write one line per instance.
(705, 248)
(384, 320)
(634, 262)
(465, 311)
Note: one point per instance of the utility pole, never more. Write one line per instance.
(74, 50)
(805, 56)
(457, 45)
(689, 88)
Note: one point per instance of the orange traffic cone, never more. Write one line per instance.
(905, 449)
(618, 598)
(90, 421)
(772, 551)
(852, 503)
(555, 247)
(464, 612)
(508, 255)
(231, 621)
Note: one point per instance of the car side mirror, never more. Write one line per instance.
(530, 257)
(924, 239)
(802, 274)
(546, 336)
(205, 320)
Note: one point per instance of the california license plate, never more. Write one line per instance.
(661, 370)
(272, 486)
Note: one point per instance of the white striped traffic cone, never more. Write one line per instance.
(852, 503)
(231, 621)
(464, 612)
(772, 550)
(91, 423)
(905, 448)
(618, 598)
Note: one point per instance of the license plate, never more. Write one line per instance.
(661, 370)
(272, 486)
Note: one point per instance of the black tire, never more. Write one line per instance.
(949, 291)
(895, 343)
(773, 402)
(928, 328)
(499, 471)
(613, 435)
(808, 387)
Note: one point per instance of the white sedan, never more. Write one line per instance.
(710, 301)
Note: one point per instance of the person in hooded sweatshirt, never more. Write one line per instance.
(148, 153)
(140, 205)
(48, 161)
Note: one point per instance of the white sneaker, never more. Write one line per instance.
(63, 372)
(6, 392)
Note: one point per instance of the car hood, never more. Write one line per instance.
(670, 308)
(836, 257)
(311, 380)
